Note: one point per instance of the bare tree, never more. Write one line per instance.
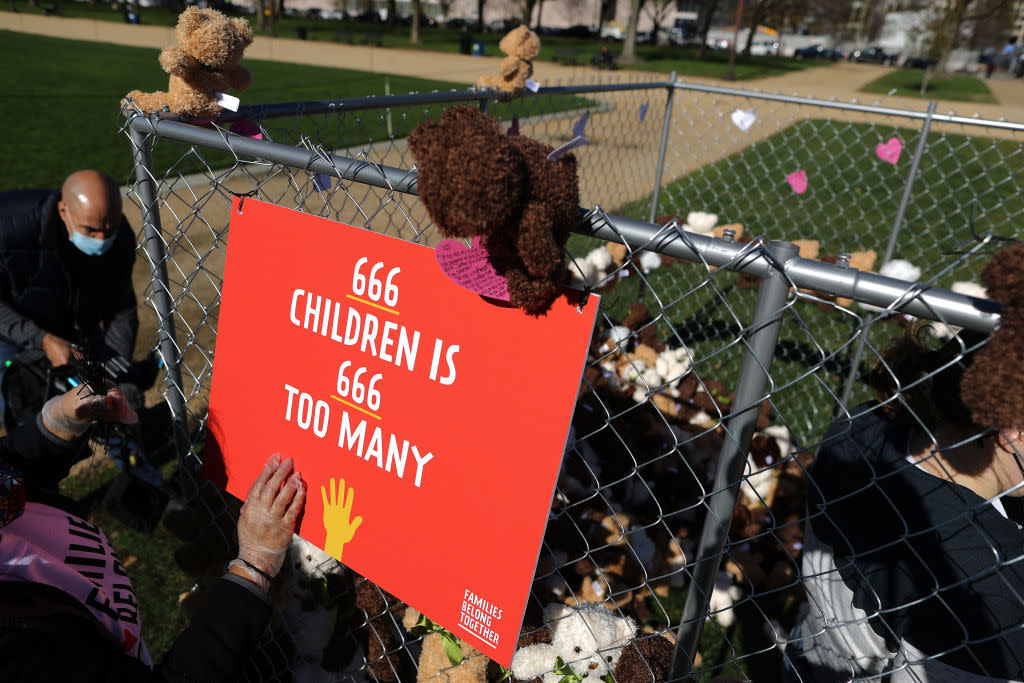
(525, 8)
(758, 10)
(947, 29)
(446, 7)
(658, 11)
(392, 13)
(414, 32)
(707, 14)
(629, 46)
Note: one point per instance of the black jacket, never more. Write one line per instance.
(48, 285)
(45, 635)
(933, 562)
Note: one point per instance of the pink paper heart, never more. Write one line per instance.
(246, 128)
(798, 181)
(889, 151)
(470, 268)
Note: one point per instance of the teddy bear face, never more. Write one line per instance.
(465, 156)
(212, 38)
(589, 638)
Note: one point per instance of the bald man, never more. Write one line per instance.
(66, 262)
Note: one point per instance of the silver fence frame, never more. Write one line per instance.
(777, 265)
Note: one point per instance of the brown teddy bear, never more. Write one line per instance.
(434, 663)
(476, 180)
(522, 46)
(202, 64)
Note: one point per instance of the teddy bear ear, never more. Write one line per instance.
(243, 28)
(625, 629)
(191, 19)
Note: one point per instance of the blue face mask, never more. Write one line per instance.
(93, 246)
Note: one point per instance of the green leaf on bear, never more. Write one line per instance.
(451, 647)
(567, 673)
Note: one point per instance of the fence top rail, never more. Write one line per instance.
(839, 280)
(347, 104)
(851, 106)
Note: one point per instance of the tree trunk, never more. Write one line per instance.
(540, 9)
(480, 15)
(414, 34)
(755, 20)
(705, 25)
(261, 9)
(949, 30)
(629, 46)
(392, 14)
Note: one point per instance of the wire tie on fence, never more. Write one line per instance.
(980, 239)
(242, 196)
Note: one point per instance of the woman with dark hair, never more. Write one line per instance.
(913, 555)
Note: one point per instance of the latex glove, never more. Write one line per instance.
(338, 521)
(268, 517)
(69, 415)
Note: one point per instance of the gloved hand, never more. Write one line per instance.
(268, 519)
(69, 415)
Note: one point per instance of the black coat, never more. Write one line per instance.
(48, 285)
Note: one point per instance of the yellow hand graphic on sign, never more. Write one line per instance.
(338, 518)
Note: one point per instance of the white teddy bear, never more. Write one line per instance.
(700, 222)
(589, 638)
(724, 595)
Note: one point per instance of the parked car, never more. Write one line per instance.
(612, 30)
(580, 31)
(920, 62)
(818, 51)
(873, 55)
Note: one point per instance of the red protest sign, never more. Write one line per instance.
(427, 422)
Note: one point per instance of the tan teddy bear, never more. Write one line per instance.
(202, 64)
(522, 46)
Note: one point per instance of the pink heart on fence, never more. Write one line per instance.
(889, 151)
(470, 268)
(246, 128)
(798, 181)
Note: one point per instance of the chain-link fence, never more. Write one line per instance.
(725, 346)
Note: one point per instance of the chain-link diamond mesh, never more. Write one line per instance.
(714, 372)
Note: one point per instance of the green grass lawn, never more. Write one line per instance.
(955, 87)
(48, 135)
(850, 206)
(46, 140)
(653, 58)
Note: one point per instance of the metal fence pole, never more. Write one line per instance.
(897, 225)
(908, 187)
(664, 145)
(761, 337)
(145, 188)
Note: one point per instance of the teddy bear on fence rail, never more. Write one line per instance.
(203, 64)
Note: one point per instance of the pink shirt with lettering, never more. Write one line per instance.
(49, 546)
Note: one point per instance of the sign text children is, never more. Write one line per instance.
(427, 422)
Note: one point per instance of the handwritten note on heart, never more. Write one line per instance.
(470, 268)
(578, 141)
(798, 181)
(744, 118)
(246, 128)
(889, 151)
(579, 129)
